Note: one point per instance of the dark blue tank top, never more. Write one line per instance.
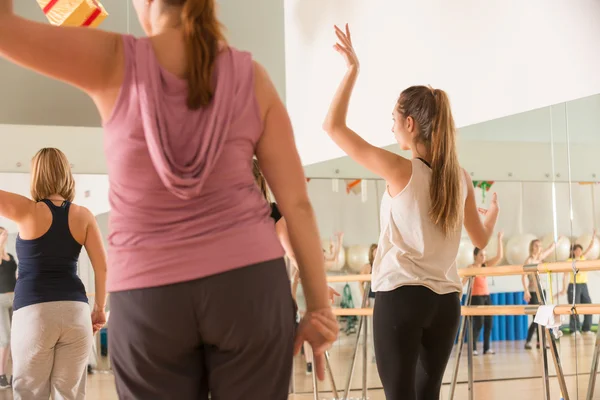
(48, 264)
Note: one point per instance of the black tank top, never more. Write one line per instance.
(48, 264)
(8, 279)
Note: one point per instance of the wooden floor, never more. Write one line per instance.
(512, 372)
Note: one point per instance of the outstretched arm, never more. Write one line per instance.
(381, 162)
(90, 59)
(15, 207)
(550, 249)
(479, 231)
(591, 245)
(500, 254)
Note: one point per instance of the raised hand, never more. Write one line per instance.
(345, 48)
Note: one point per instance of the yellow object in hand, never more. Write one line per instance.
(73, 12)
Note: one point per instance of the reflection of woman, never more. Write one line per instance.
(284, 238)
(183, 114)
(52, 330)
(536, 256)
(8, 280)
(480, 295)
(367, 269)
(417, 286)
(578, 288)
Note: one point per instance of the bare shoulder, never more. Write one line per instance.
(82, 216)
(264, 89)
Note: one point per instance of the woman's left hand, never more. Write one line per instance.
(345, 48)
(98, 320)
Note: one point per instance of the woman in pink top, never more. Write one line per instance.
(480, 295)
(190, 233)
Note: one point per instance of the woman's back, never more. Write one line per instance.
(181, 180)
(412, 249)
(48, 249)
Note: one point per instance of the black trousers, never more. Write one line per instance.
(534, 327)
(479, 321)
(230, 335)
(582, 296)
(414, 331)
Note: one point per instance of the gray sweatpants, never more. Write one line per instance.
(51, 344)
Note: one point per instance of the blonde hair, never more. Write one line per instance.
(51, 174)
(261, 181)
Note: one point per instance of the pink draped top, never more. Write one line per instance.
(184, 204)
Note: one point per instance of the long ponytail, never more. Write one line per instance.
(204, 36)
(446, 189)
(430, 108)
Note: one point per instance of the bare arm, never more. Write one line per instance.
(479, 231)
(15, 207)
(591, 245)
(500, 254)
(280, 163)
(548, 251)
(388, 165)
(95, 58)
(95, 249)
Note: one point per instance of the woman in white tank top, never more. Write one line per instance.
(427, 201)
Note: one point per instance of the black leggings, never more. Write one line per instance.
(534, 327)
(480, 321)
(414, 331)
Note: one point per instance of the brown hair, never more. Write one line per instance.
(260, 180)
(51, 174)
(534, 241)
(430, 109)
(203, 36)
(371, 257)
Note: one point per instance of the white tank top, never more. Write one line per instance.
(412, 250)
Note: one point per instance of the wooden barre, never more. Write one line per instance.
(557, 267)
(582, 309)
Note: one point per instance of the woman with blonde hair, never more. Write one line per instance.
(183, 115)
(427, 201)
(52, 330)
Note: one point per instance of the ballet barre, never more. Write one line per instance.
(479, 311)
(506, 270)
(468, 311)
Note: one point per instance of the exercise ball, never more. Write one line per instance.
(584, 241)
(517, 248)
(562, 251)
(357, 256)
(464, 258)
(327, 245)
(492, 249)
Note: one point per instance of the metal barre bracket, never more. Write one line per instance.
(530, 268)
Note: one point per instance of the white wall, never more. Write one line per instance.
(494, 58)
(60, 116)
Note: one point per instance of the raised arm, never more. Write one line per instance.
(591, 245)
(550, 249)
(387, 165)
(95, 58)
(500, 254)
(479, 231)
